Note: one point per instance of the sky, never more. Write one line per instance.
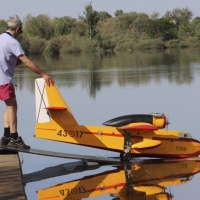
(74, 8)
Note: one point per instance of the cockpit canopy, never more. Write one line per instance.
(184, 135)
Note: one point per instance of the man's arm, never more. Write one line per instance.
(33, 67)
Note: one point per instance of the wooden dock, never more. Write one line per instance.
(11, 184)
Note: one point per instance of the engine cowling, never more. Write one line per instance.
(156, 119)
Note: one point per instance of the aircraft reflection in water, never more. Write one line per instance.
(143, 180)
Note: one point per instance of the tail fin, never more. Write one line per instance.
(50, 105)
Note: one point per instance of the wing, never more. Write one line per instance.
(139, 127)
(146, 143)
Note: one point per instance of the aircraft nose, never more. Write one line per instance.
(198, 146)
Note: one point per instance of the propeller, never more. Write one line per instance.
(170, 194)
(167, 123)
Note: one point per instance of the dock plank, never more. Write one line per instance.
(11, 185)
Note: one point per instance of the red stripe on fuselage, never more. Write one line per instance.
(141, 137)
(106, 134)
(166, 155)
(107, 187)
(176, 139)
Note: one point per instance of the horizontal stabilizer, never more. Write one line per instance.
(55, 108)
(139, 126)
(146, 143)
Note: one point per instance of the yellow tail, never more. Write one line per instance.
(51, 109)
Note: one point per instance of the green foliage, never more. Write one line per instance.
(53, 46)
(131, 23)
(40, 26)
(195, 27)
(179, 16)
(91, 18)
(3, 26)
(118, 12)
(97, 31)
(108, 26)
(184, 31)
(107, 41)
(75, 44)
(63, 25)
(175, 44)
(79, 28)
(150, 44)
(124, 22)
(125, 44)
(154, 15)
(88, 45)
(162, 28)
(24, 41)
(37, 45)
(71, 44)
(103, 15)
(183, 43)
(141, 23)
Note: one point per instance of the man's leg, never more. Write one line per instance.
(7, 92)
(10, 120)
(10, 117)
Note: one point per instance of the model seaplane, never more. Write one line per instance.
(130, 135)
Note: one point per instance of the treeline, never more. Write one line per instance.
(99, 31)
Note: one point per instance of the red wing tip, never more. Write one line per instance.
(55, 108)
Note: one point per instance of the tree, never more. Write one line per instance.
(140, 24)
(63, 25)
(179, 16)
(40, 26)
(162, 28)
(3, 26)
(124, 22)
(79, 28)
(103, 15)
(132, 23)
(154, 15)
(195, 27)
(91, 18)
(118, 12)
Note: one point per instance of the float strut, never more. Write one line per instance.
(128, 175)
(126, 155)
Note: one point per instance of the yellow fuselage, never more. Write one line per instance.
(159, 143)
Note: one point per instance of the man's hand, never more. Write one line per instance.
(48, 79)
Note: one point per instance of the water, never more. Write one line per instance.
(101, 87)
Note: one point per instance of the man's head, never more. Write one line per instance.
(15, 26)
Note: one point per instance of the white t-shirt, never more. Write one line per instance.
(10, 50)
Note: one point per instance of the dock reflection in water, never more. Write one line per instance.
(139, 180)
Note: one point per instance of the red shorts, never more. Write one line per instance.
(7, 91)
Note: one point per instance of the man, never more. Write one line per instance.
(12, 54)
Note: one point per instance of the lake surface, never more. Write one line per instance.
(100, 87)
